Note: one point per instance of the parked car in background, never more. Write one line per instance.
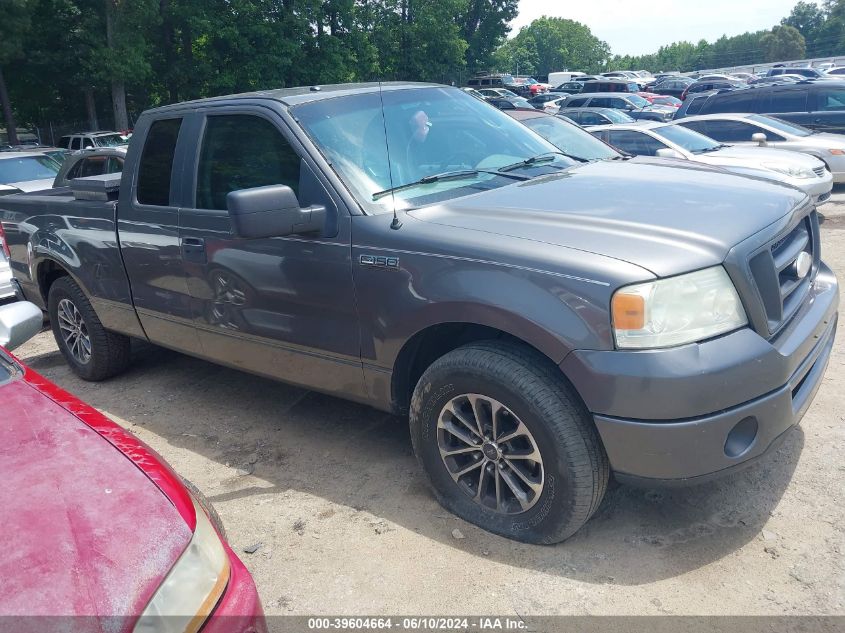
(716, 77)
(587, 117)
(768, 131)
(474, 93)
(673, 86)
(818, 105)
(612, 85)
(837, 72)
(85, 140)
(692, 104)
(93, 162)
(553, 107)
(568, 137)
(569, 87)
(119, 537)
(657, 99)
(626, 75)
(809, 73)
(634, 105)
(510, 103)
(746, 77)
(528, 87)
(542, 99)
(26, 171)
(674, 141)
(775, 79)
(706, 85)
(495, 80)
(56, 153)
(497, 92)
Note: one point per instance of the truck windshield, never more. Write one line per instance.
(26, 168)
(380, 141)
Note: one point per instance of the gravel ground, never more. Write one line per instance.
(331, 494)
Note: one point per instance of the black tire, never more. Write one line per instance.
(109, 352)
(574, 463)
(205, 504)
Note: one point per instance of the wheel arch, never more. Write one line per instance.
(435, 340)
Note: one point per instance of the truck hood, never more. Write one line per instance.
(668, 217)
(85, 531)
(754, 157)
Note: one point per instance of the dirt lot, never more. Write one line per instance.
(331, 494)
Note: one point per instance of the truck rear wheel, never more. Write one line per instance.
(506, 444)
(92, 352)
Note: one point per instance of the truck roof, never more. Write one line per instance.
(303, 94)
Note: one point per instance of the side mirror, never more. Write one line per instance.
(19, 322)
(272, 211)
(759, 138)
(668, 152)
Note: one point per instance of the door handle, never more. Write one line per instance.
(193, 250)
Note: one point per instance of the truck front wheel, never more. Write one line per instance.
(506, 444)
(92, 352)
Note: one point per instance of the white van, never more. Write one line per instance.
(555, 79)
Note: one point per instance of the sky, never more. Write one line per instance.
(637, 27)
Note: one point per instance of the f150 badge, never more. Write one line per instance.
(379, 261)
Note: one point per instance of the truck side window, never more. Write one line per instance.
(157, 162)
(240, 152)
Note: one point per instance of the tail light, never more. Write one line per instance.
(3, 244)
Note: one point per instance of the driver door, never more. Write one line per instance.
(282, 307)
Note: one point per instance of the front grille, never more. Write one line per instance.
(775, 272)
(819, 171)
(823, 197)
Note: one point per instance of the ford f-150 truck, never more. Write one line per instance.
(545, 321)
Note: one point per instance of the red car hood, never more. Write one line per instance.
(85, 531)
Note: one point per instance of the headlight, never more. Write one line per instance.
(676, 310)
(790, 170)
(193, 586)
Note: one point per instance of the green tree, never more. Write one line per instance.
(552, 44)
(15, 22)
(808, 19)
(484, 25)
(783, 43)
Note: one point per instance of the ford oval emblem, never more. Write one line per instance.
(803, 263)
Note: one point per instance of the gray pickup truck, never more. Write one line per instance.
(545, 321)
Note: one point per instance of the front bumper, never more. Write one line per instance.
(689, 413)
(239, 609)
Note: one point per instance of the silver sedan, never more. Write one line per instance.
(644, 138)
(767, 131)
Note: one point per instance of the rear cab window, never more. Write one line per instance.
(156, 164)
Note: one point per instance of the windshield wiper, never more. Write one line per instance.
(546, 157)
(446, 175)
